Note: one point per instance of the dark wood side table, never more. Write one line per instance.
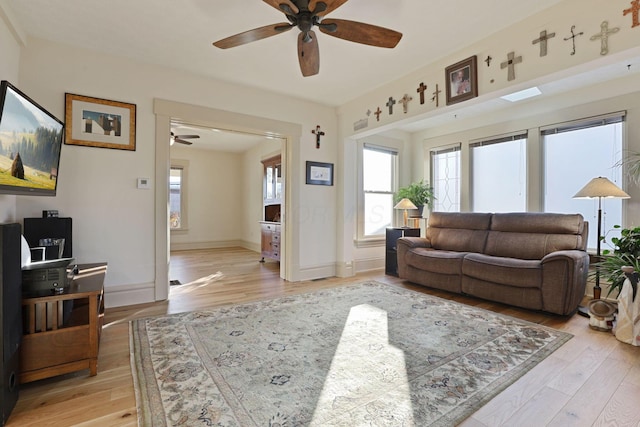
(62, 330)
(391, 252)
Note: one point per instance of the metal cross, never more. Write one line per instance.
(390, 104)
(405, 102)
(510, 63)
(422, 88)
(377, 113)
(318, 133)
(543, 41)
(436, 95)
(489, 58)
(634, 9)
(573, 38)
(603, 35)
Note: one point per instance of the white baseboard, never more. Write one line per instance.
(369, 264)
(215, 245)
(120, 296)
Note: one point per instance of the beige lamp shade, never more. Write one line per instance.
(600, 187)
(405, 204)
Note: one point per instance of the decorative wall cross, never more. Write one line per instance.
(573, 38)
(377, 113)
(603, 35)
(489, 58)
(633, 10)
(436, 95)
(318, 133)
(510, 64)
(422, 88)
(405, 102)
(543, 41)
(390, 104)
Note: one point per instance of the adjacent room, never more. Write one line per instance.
(320, 212)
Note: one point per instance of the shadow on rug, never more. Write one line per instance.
(362, 355)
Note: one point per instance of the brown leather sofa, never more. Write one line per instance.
(536, 261)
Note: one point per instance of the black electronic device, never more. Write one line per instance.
(44, 277)
(31, 143)
(11, 317)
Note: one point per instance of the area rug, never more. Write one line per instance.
(368, 354)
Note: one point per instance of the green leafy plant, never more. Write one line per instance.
(626, 252)
(420, 193)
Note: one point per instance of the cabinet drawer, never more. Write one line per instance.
(275, 237)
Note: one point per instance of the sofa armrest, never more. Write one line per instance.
(414, 242)
(564, 279)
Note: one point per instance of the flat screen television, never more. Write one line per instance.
(30, 143)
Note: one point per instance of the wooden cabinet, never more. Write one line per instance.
(391, 252)
(62, 330)
(270, 240)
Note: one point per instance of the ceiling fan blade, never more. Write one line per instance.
(308, 54)
(277, 3)
(331, 6)
(253, 35)
(182, 141)
(187, 136)
(360, 32)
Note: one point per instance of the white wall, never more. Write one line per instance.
(115, 222)
(215, 179)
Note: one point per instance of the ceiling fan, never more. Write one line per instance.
(182, 139)
(305, 14)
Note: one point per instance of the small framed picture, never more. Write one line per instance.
(95, 122)
(462, 80)
(319, 173)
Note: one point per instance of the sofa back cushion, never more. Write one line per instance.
(458, 231)
(529, 235)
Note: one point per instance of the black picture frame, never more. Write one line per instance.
(319, 173)
(462, 80)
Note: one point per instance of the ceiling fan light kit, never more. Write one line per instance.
(305, 14)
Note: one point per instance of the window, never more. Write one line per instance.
(445, 178)
(499, 174)
(378, 185)
(575, 153)
(177, 195)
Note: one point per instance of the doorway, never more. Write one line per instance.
(168, 111)
(217, 195)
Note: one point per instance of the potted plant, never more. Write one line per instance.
(626, 252)
(420, 193)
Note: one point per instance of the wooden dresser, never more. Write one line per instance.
(62, 330)
(270, 240)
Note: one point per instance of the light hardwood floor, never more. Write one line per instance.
(592, 380)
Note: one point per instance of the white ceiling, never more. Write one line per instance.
(179, 34)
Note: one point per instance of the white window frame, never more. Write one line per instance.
(456, 148)
(361, 239)
(184, 185)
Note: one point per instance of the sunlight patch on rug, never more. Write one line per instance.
(364, 354)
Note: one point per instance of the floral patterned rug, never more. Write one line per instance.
(369, 354)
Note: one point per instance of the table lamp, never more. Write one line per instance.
(405, 204)
(600, 188)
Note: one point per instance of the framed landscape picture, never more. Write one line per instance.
(96, 122)
(462, 80)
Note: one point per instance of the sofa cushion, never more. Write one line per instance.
(529, 246)
(505, 271)
(435, 261)
(461, 232)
